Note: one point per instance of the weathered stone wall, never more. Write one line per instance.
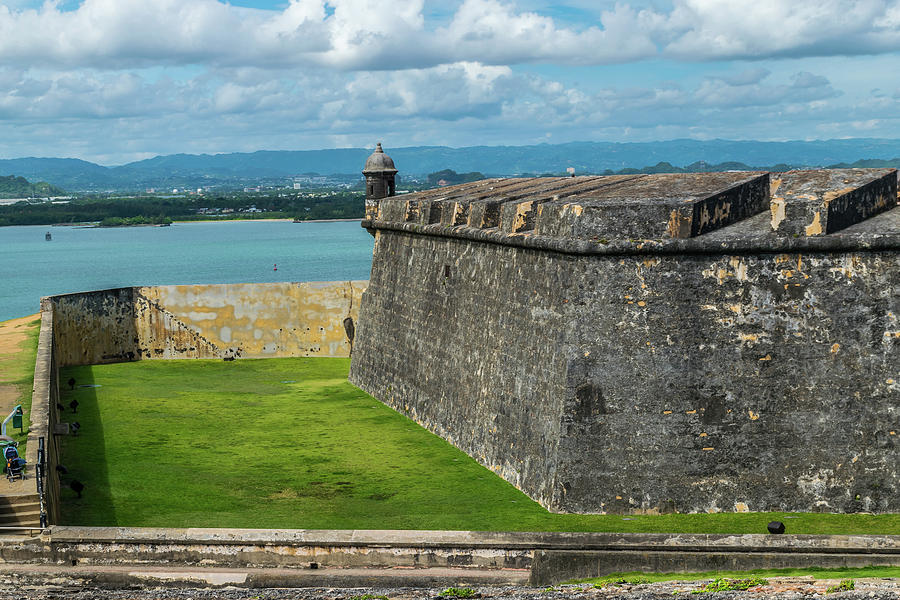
(646, 383)
(265, 320)
(755, 382)
(736, 369)
(97, 327)
(206, 321)
(450, 340)
(44, 416)
(127, 557)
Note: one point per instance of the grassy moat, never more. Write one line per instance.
(289, 443)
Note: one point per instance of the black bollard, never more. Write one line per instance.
(77, 487)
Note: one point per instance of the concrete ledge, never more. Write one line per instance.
(554, 566)
(542, 558)
(682, 542)
(118, 577)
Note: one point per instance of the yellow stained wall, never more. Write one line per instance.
(92, 328)
(264, 320)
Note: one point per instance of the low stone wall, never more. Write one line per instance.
(206, 321)
(550, 558)
(43, 416)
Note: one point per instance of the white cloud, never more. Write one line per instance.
(747, 77)
(722, 29)
(243, 106)
(133, 77)
(394, 34)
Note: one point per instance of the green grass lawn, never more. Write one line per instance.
(289, 443)
(17, 368)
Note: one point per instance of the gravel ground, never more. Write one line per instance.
(785, 588)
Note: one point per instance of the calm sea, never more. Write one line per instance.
(80, 258)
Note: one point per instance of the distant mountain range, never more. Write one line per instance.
(192, 170)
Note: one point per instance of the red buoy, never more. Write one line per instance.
(275, 267)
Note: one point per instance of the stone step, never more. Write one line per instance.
(20, 510)
(30, 518)
(8, 513)
(17, 499)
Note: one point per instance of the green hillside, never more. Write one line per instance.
(238, 170)
(19, 187)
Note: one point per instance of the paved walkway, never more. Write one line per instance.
(12, 334)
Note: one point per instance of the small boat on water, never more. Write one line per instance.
(48, 237)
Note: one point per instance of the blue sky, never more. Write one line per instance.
(118, 80)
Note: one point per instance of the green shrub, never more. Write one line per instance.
(728, 585)
(844, 586)
(452, 592)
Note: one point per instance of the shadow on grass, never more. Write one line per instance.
(84, 454)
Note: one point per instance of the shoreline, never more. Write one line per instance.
(278, 220)
(328, 220)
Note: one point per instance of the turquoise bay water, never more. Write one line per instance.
(80, 259)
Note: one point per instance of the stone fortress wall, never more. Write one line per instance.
(251, 320)
(608, 344)
(135, 557)
(650, 343)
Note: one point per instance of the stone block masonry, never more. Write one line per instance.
(266, 320)
(648, 344)
(252, 320)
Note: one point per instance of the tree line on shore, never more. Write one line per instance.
(300, 206)
(109, 211)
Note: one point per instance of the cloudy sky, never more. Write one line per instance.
(119, 80)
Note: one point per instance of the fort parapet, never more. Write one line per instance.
(649, 343)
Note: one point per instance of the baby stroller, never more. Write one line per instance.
(15, 465)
